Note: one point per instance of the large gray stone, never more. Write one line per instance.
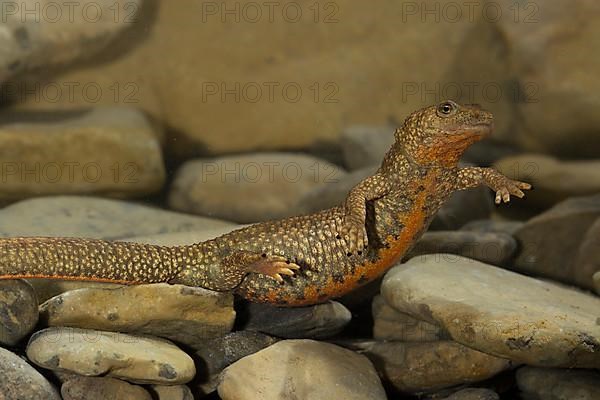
(550, 242)
(270, 184)
(312, 322)
(96, 218)
(473, 394)
(20, 381)
(302, 369)
(586, 262)
(47, 33)
(428, 366)
(491, 248)
(390, 324)
(558, 384)
(364, 145)
(217, 354)
(87, 352)
(18, 311)
(554, 180)
(498, 311)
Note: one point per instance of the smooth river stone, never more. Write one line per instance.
(497, 311)
(96, 353)
(416, 367)
(302, 369)
(20, 381)
(18, 311)
(96, 388)
(558, 384)
(181, 313)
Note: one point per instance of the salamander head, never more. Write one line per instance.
(439, 134)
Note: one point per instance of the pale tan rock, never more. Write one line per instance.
(302, 368)
(390, 324)
(96, 218)
(427, 366)
(110, 151)
(92, 388)
(498, 311)
(249, 188)
(88, 352)
(180, 313)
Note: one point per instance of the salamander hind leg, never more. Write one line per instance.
(233, 268)
(274, 267)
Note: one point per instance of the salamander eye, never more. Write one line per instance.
(446, 108)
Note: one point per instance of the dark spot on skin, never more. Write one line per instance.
(360, 252)
(421, 188)
(53, 362)
(112, 316)
(338, 237)
(349, 254)
(166, 371)
(264, 255)
(338, 277)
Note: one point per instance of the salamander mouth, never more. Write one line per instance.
(483, 129)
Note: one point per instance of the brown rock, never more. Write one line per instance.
(428, 366)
